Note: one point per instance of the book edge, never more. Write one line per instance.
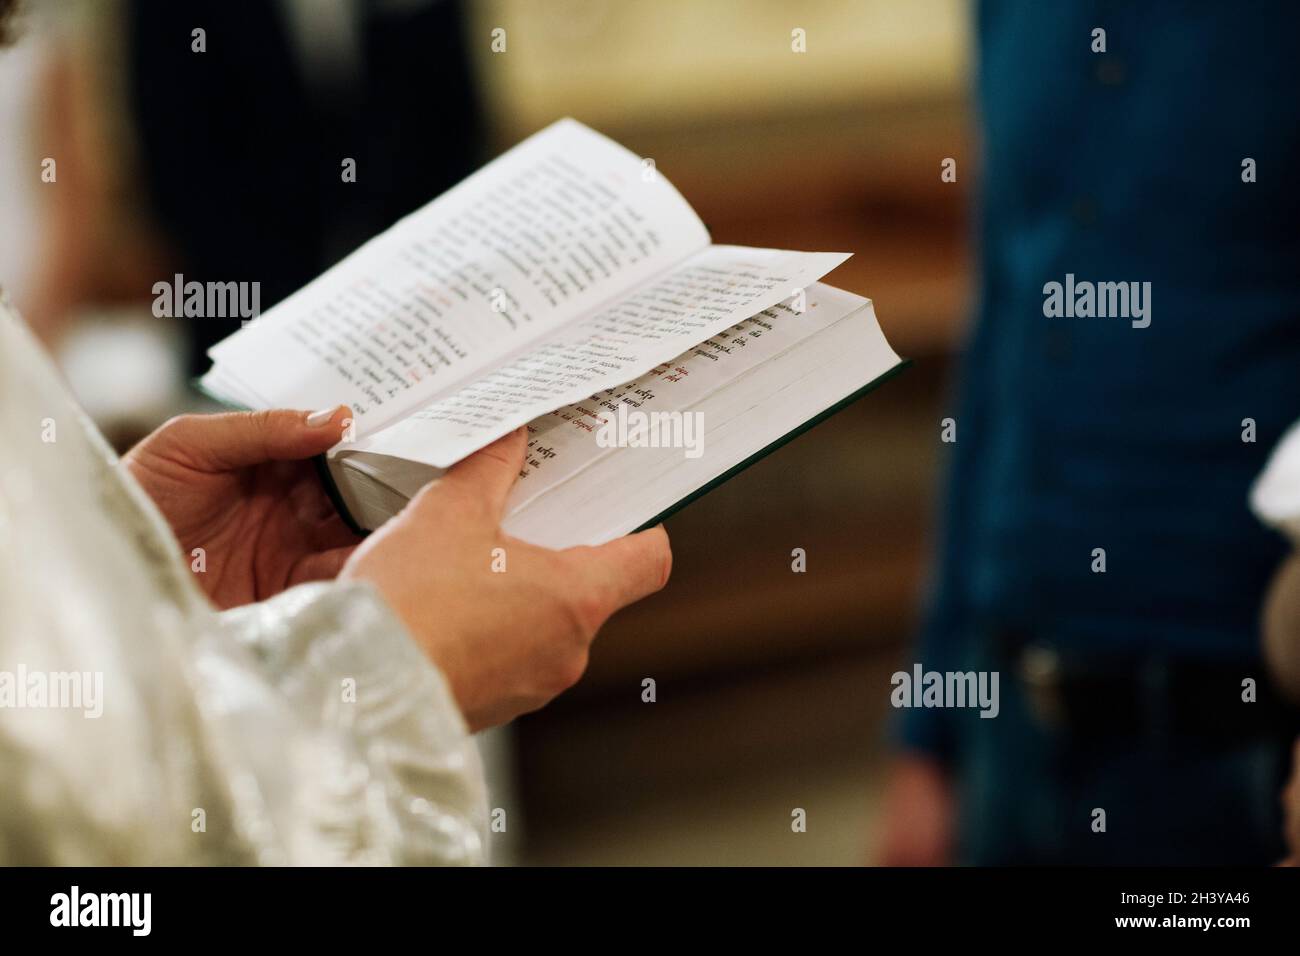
(776, 444)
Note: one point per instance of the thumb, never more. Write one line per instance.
(239, 439)
(627, 569)
(490, 473)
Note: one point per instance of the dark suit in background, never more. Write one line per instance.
(242, 145)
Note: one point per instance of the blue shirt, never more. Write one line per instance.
(1075, 434)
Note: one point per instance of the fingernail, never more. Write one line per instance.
(317, 419)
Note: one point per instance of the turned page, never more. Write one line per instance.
(563, 443)
(699, 298)
(543, 235)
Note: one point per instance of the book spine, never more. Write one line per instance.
(336, 497)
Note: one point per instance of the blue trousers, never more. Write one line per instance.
(1029, 793)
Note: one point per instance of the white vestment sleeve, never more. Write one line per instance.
(381, 761)
(140, 726)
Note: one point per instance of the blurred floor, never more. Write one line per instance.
(775, 742)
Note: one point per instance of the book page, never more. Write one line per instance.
(564, 442)
(546, 233)
(749, 415)
(700, 298)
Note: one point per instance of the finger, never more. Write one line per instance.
(626, 569)
(491, 473)
(317, 517)
(321, 566)
(308, 499)
(239, 439)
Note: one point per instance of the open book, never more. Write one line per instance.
(567, 286)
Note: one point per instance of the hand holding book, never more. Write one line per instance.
(252, 521)
(246, 506)
(508, 623)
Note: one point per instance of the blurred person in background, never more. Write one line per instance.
(243, 146)
(232, 158)
(1166, 156)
